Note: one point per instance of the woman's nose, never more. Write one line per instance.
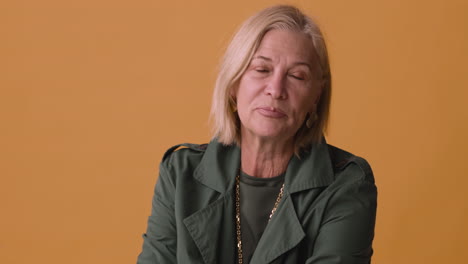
(276, 86)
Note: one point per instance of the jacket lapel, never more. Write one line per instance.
(212, 228)
(218, 167)
(283, 232)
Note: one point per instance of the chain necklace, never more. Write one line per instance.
(238, 220)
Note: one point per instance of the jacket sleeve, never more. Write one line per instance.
(347, 230)
(160, 239)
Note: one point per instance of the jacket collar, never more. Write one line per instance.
(220, 165)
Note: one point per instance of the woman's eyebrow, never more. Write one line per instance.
(260, 57)
(303, 63)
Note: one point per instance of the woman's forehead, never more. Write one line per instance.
(278, 45)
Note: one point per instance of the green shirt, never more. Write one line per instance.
(257, 198)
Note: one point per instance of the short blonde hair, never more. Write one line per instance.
(226, 123)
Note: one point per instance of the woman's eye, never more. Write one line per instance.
(262, 70)
(297, 77)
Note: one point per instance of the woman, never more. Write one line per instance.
(267, 188)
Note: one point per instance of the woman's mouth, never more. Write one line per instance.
(271, 112)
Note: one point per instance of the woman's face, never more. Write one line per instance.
(279, 87)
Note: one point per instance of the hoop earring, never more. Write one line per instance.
(311, 120)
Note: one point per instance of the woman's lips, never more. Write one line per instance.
(271, 112)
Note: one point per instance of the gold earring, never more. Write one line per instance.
(311, 120)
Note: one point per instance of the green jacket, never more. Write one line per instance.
(326, 216)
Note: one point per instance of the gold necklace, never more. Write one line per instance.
(238, 220)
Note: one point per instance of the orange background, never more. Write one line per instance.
(93, 92)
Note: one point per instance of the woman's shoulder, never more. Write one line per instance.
(184, 153)
(349, 167)
(184, 148)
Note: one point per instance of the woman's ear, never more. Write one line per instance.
(317, 98)
(233, 92)
(232, 101)
(319, 93)
(232, 104)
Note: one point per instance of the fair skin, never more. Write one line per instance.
(273, 98)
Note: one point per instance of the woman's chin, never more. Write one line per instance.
(273, 133)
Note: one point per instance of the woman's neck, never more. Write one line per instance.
(265, 158)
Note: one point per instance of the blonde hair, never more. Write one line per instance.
(226, 123)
